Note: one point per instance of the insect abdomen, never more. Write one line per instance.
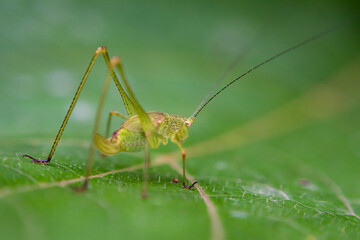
(122, 140)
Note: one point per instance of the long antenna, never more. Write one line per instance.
(240, 56)
(325, 32)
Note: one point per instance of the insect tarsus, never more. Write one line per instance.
(37, 160)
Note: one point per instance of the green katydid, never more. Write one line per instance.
(142, 130)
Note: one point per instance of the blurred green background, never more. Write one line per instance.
(277, 153)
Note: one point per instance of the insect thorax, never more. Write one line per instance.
(173, 127)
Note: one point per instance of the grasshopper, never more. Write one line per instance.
(143, 130)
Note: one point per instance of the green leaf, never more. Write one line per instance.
(276, 155)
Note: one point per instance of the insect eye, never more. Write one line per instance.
(187, 123)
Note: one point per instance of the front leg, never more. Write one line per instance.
(183, 154)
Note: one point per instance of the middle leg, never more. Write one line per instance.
(113, 113)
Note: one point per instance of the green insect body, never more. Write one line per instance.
(143, 130)
(130, 137)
